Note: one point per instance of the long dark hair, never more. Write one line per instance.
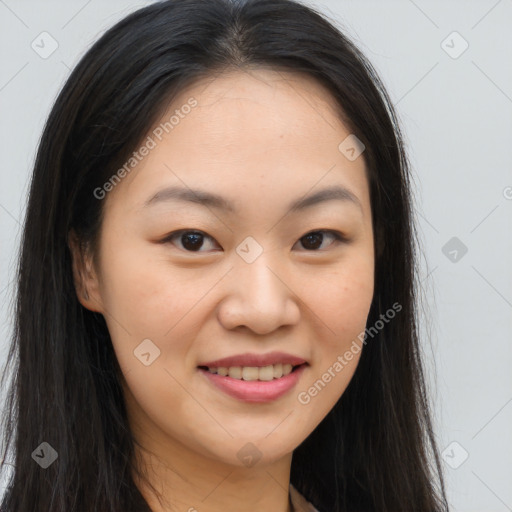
(376, 449)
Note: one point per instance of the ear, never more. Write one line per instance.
(84, 274)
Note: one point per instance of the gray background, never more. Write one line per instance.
(457, 117)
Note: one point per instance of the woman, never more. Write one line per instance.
(216, 292)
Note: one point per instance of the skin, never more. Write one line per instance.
(261, 139)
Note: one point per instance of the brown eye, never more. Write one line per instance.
(314, 240)
(194, 240)
(191, 240)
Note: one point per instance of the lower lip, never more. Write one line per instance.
(255, 390)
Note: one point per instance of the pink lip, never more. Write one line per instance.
(255, 360)
(255, 390)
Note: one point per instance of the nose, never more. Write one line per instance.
(259, 297)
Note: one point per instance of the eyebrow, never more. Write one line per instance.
(209, 199)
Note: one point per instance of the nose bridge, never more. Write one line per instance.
(259, 283)
(259, 297)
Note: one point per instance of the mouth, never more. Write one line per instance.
(251, 373)
(254, 384)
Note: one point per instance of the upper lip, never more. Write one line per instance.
(249, 359)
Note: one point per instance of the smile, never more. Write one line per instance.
(254, 384)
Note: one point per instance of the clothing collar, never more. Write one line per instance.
(299, 503)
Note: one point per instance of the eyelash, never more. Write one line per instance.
(337, 235)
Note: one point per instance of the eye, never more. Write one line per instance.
(191, 240)
(314, 239)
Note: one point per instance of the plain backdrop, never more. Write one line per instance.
(448, 69)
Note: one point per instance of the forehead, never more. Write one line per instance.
(281, 103)
(261, 81)
(257, 132)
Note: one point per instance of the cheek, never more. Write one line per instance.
(142, 292)
(144, 300)
(341, 306)
(341, 299)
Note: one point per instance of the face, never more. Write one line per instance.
(184, 278)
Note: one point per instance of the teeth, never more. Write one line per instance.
(264, 373)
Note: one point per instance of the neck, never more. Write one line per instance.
(185, 478)
(192, 483)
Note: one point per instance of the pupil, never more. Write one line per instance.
(316, 237)
(195, 239)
